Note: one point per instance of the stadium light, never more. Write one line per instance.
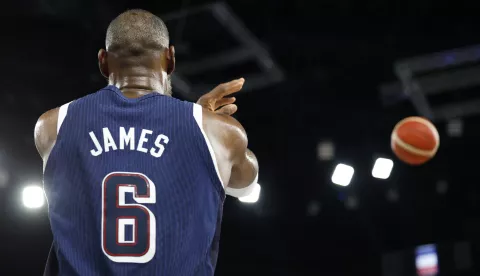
(325, 151)
(254, 196)
(342, 175)
(33, 197)
(382, 168)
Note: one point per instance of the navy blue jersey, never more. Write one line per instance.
(133, 188)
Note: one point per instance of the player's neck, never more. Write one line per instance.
(137, 86)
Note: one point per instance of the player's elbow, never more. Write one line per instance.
(243, 180)
(245, 172)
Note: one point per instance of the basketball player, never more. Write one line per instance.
(136, 179)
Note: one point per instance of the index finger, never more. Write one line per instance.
(228, 88)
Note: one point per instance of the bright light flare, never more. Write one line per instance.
(342, 175)
(33, 197)
(382, 168)
(254, 196)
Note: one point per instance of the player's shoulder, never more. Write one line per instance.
(45, 132)
(48, 119)
(228, 123)
(225, 120)
(225, 128)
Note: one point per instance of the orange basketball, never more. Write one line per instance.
(415, 140)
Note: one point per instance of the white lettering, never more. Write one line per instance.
(127, 138)
(160, 146)
(97, 145)
(143, 139)
(108, 141)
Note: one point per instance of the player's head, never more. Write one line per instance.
(137, 45)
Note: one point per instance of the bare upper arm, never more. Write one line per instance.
(45, 133)
(227, 131)
(229, 141)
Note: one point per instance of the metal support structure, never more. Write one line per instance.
(186, 12)
(440, 60)
(248, 49)
(413, 90)
(433, 84)
(460, 71)
(222, 59)
(181, 84)
(457, 110)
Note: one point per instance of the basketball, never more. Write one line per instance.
(415, 140)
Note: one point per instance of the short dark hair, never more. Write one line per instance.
(135, 31)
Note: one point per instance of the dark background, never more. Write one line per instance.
(334, 55)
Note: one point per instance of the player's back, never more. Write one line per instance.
(132, 188)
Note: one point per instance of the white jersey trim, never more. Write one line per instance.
(62, 113)
(198, 115)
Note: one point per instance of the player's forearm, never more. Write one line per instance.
(244, 172)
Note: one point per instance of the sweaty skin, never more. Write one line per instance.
(237, 165)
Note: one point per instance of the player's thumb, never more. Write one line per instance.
(228, 109)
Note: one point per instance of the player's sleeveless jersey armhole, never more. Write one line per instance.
(62, 113)
(198, 115)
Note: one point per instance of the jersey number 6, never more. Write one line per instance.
(128, 230)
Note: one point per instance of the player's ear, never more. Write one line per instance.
(170, 54)
(102, 63)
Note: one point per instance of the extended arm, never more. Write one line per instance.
(237, 164)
